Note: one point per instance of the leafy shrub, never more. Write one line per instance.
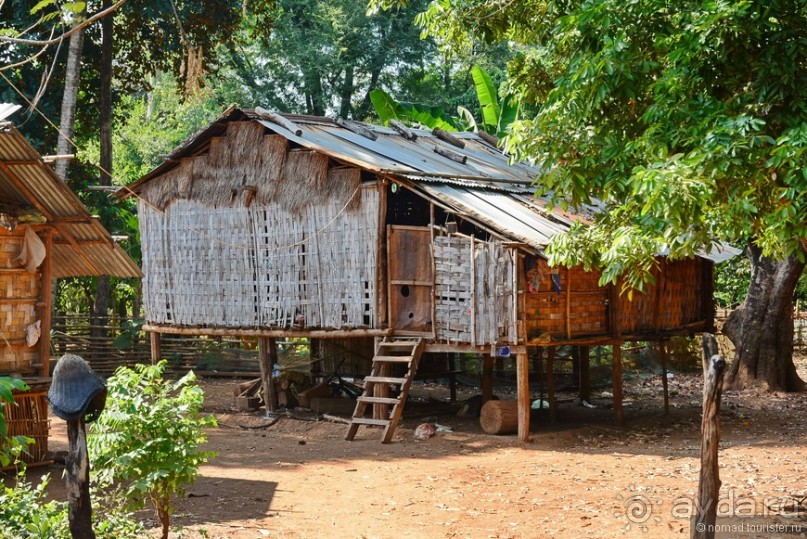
(10, 446)
(147, 439)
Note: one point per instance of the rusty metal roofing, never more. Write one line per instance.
(82, 246)
(481, 183)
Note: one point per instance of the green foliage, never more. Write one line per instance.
(25, 513)
(687, 120)
(496, 118)
(147, 439)
(10, 446)
(731, 282)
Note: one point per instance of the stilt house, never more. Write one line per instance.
(274, 225)
(45, 233)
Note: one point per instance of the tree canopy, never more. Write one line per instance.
(686, 120)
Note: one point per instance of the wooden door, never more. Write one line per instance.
(411, 281)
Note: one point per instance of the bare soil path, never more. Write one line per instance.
(581, 477)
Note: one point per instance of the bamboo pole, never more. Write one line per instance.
(267, 358)
(523, 391)
(714, 367)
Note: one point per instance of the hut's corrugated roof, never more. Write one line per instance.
(481, 183)
(82, 246)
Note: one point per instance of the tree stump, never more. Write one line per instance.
(499, 417)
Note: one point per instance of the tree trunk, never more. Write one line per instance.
(762, 327)
(346, 95)
(72, 77)
(103, 291)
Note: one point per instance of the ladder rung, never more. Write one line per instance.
(397, 344)
(378, 400)
(393, 359)
(384, 379)
(370, 421)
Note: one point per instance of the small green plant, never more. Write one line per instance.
(147, 440)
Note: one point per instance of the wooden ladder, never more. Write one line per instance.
(390, 351)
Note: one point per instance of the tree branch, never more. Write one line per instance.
(65, 35)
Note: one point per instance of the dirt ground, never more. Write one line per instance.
(579, 477)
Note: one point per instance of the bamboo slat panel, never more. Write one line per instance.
(30, 418)
(19, 295)
(261, 266)
(475, 291)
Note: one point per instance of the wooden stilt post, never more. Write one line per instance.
(267, 358)
(156, 352)
(487, 378)
(46, 295)
(714, 368)
(617, 384)
(663, 353)
(77, 479)
(585, 373)
(550, 384)
(523, 391)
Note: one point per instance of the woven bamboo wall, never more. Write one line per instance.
(474, 291)
(678, 300)
(263, 265)
(19, 294)
(563, 303)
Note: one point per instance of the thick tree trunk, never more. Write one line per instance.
(762, 327)
(346, 96)
(69, 98)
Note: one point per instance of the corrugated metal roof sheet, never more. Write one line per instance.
(486, 187)
(82, 246)
(7, 109)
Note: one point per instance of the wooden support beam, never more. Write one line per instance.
(156, 352)
(267, 358)
(617, 384)
(584, 355)
(664, 352)
(487, 378)
(276, 118)
(238, 332)
(523, 392)
(550, 385)
(714, 368)
(77, 481)
(46, 295)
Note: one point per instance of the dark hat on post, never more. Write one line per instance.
(76, 391)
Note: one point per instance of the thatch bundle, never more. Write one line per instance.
(247, 160)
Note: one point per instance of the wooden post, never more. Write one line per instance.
(617, 383)
(714, 368)
(452, 380)
(550, 384)
(663, 353)
(46, 295)
(523, 391)
(156, 352)
(267, 358)
(77, 479)
(584, 356)
(487, 378)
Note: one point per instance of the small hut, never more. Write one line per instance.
(45, 233)
(272, 225)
